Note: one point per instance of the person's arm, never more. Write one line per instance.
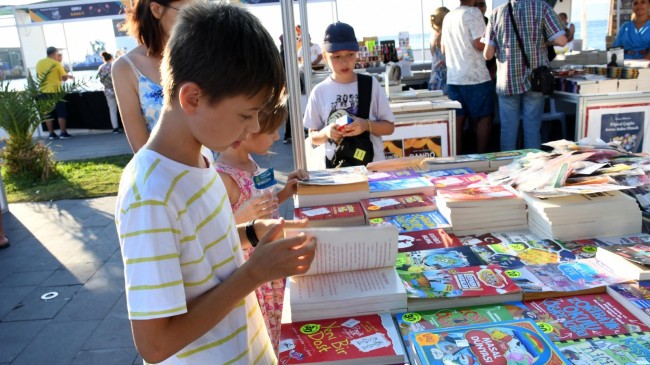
(160, 338)
(375, 127)
(488, 52)
(317, 60)
(571, 32)
(321, 136)
(478, 44)
(128, 101)
(292, 184)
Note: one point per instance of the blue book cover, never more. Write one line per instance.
(508, 342)
(446, 172)
(626, 349)
(413, 222)
(441, 258)
(409, 184)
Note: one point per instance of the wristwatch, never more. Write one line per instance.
(250, 233)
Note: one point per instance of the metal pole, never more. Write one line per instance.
(422, 23)
(306, 51)
(293, 84)
(618, 15)
(583, 25)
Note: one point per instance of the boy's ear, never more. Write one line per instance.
(188, 96)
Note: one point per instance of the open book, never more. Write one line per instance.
(353, 273)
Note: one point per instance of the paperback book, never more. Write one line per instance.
(627, 349)
(458, 181)
(476, 162)
(400, 204)
(442, 258)
(446, 172)
(352, 273)
(510, 342)
(516, 255)
(426, 240)
(634, 296)
(392, 175)
(435, 289)
(631, 260)
(370, 339)
(334, 215)
(411, 185)
(583, 316)
(413, 222)
(498, 237)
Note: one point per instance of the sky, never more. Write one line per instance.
(385, 18)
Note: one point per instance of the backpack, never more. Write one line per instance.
(356, 150)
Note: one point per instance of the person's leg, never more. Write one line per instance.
(509, 107)
(112, 109)
(287, 127)
(533, 108)
(454, 93)
(481, 106)
(4, 241)
(62, 113)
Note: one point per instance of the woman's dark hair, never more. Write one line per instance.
(107, 56)
(142, 25)
(226, 51)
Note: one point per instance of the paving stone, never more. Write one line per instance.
(10, 297)
(15, 336)
(33, 307)
(119, 356)
(58, 343)
(26, 278)
(73, 274)
(114, 331)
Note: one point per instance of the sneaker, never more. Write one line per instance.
(287, 140)
(65, 135)
(53, 136)
(116, 131)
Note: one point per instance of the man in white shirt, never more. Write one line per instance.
(468, 79)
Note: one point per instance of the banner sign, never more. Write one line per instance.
(80, 11)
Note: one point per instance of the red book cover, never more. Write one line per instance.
(583, 316)
(476, 193)
(400, 204)
(327, 212)
(457, 181)
(428, 239)
(371, 339)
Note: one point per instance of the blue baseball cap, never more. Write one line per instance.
(340, 37)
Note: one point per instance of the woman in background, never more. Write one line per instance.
(438, 79)
(104, 76)
(634, 36)
(136, 75)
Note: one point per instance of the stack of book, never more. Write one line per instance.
(399, 204)
(333, 186)
(334, 215)
(392, 183)
(583, 215)
(630, 260)
(635, 297)
(474, 210)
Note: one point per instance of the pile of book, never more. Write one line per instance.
(482, 209)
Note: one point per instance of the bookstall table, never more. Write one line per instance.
(622, 116)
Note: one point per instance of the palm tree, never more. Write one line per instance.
(21, 112)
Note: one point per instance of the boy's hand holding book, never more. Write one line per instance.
(276, 257)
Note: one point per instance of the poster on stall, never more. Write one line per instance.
(627, 124)
(425, 138)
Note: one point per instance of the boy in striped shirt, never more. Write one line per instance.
(189, 291)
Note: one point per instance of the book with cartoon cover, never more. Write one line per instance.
(442, 258)
(369, 339)
(509, 342)
(583, 316)
(498, 237)
(530, 252)
(427, 239)
(413, 222)
(410, 185)
(333, 215)
(626, 349)
(392, 175)
(457, 181)
(635, 296)
(399, 204)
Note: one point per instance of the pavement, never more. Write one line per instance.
(62, 297)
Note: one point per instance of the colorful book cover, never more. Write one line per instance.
(582, 249)
(639, 253)
(516, 255)
(454, 159)
(457, 181)
(413, 222)
(576, 275)
(338, 176)
(621, 240)
(391, 205)
(636, 292)
(473, 281)
(587, 248)
(527, 281)
(426, 240)
(400, 185)
(442, 258)
(392, 175)
(371, 338)
(446, 172)
(509, 155)
(627, 349)
(327, 212)
(583, 316)
(509, 342)
(476, 193)
(498, 237)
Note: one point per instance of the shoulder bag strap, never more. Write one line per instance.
(364, 87)
(521, 43)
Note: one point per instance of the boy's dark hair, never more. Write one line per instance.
(143, 26)
(226, 51)
(106, 56)
(271, 119)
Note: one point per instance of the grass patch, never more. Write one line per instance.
(74, 180)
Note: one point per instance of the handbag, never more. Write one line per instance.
(356, 150)
(542, 79)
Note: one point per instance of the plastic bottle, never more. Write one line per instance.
(266, 185)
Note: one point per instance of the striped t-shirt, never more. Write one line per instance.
(179, 240)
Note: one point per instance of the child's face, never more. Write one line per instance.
(228, 122)
(260, 143)
(341, 62)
